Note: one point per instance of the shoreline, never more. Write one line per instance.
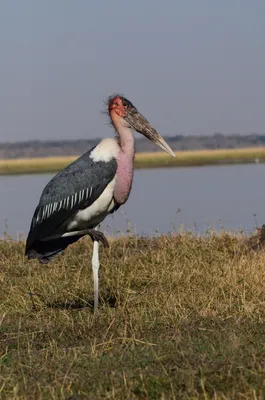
(195, 158)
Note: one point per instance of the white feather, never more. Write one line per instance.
(106, 150)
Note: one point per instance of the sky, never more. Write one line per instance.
(191, 67)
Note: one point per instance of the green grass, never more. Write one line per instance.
(181, 317)
(142, 160)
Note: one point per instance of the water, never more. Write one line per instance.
(161, 200)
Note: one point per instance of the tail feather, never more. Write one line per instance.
(45, 251)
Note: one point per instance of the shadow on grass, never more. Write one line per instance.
(81, 303)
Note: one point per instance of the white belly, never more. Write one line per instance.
(96, 212)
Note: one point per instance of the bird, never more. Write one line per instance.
(98, 183)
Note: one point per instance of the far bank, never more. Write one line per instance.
(142, 160)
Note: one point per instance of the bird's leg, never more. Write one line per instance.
(98, 236)
(95, 267)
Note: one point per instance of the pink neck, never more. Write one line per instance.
(124, 174)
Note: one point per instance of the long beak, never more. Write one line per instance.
(141, 125)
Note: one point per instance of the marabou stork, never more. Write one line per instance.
(78, 198)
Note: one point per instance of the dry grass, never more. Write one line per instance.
(34, 165)
(200, 157)
(181, 317)
(143, 160)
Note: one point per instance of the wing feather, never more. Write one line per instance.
(73, 189)
(69, 203)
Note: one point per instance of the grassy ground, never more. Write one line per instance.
(143, 160)
(181, 317)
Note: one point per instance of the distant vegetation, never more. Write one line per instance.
(50, 148)
(142, 160)
(180, 317)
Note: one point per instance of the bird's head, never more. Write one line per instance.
(121, 109)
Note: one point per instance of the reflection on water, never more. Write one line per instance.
(161, 200)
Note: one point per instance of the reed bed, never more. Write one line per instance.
(142, 160)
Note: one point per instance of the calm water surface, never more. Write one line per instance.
(162, 200)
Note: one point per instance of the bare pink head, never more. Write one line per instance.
(122, 109)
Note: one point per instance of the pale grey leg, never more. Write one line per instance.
(95, 267)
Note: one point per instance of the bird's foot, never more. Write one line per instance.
(99, 236)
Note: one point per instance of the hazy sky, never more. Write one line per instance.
(194, 66)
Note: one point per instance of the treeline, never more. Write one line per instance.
(37, 148)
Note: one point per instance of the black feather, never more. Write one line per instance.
(45, 251)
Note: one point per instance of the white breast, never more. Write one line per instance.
(96, 212)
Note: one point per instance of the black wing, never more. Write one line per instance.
(74, 188)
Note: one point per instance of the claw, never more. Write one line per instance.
(99, 236)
